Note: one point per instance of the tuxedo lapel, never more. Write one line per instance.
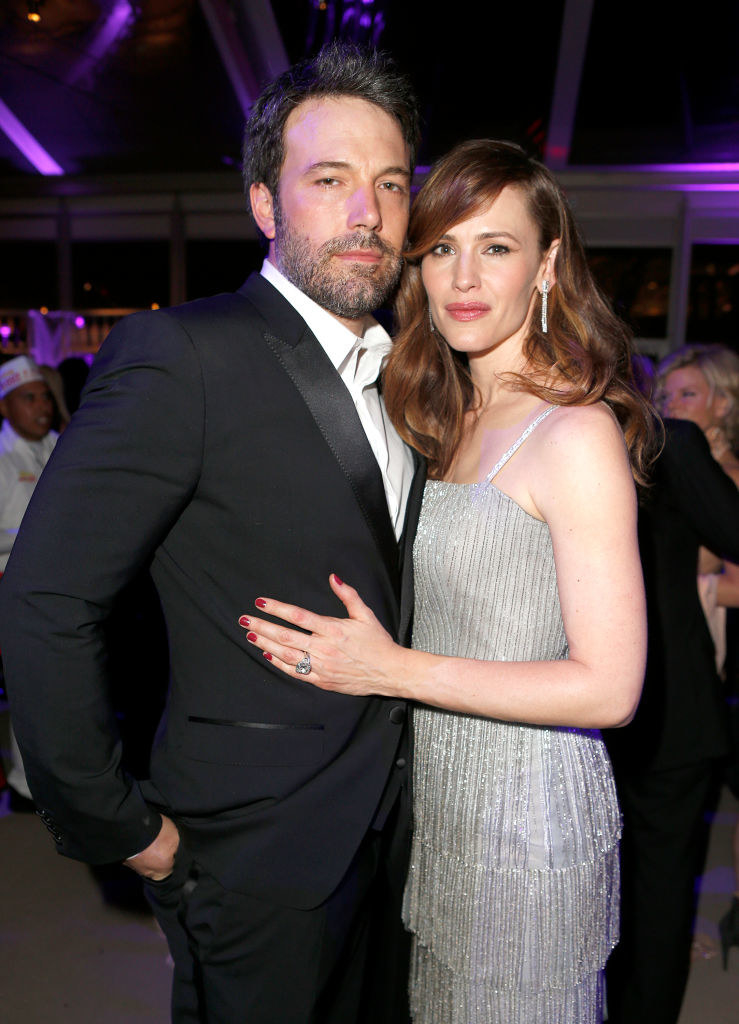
(331, 406)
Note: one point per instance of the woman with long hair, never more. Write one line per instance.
(512, 377)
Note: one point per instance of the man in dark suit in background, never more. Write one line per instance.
(238, 446)
(666, 760)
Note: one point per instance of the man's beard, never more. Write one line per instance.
(346, 289)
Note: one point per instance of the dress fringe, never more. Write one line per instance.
(565, 927)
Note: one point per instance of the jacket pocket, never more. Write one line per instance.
(224, 741)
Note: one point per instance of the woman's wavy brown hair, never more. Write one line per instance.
(584, 357)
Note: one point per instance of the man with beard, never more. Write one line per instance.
(238, 446)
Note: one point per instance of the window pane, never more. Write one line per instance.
(713, 311)
(658, 87)
(637, 284)
(120, 275)
(29, 277)
(220, 266)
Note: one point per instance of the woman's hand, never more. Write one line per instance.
(356, 655)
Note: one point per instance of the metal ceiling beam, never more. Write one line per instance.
(29, 146)
(572, 48)
(106, 33)
(249, 44)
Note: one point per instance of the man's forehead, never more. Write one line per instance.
(32, 388)
(339, 122)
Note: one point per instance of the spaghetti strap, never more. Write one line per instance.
(517, 444)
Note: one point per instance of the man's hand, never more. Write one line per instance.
(157, 860)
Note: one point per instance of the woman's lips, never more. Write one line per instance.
(465, 311)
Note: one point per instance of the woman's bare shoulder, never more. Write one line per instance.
(576, 427)
(580, 457)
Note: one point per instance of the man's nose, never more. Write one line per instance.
(364, 209)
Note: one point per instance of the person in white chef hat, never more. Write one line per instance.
(26, 442)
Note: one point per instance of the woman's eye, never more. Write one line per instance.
(442, 249)
(497, 250)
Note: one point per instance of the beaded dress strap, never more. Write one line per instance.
(517, 444)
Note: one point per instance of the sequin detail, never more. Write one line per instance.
(512, 895)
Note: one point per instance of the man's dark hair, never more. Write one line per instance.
(339, 69)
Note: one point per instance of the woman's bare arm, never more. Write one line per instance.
(585, 493)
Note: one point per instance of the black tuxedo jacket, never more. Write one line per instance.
(217, 445)
(692, 502)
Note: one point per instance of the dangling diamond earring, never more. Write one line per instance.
(431, 321)
(544, 300)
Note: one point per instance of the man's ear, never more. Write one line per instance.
(263, 209)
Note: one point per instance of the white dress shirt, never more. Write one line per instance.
(21, 463)
(358, 362)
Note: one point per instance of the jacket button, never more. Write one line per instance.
(400, 763)
(397, 714)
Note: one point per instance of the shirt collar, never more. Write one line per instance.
(337, 341)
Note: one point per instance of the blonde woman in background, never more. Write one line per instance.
(701, 383)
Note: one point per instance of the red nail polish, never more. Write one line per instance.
(267, 655)
(244, 621)
(251, 637)
(338, 580)
(260, 602)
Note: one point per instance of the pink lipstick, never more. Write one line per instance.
(465, 311)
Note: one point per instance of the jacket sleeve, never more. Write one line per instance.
(116, 482)
(708, 498)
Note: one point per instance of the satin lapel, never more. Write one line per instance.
(413, 509)
(332, 408)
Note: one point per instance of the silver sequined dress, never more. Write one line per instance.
(512, 894)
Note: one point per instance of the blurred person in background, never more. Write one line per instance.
(26, 442)
(54, 382)
(667, 761)
(74, 371)
(701, 383)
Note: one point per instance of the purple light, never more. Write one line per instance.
(678, 168)
(106, 35)
(20, 136)
(717, 241)
(5, 331)
(79, 322)
(682, 187)
(727, 168)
